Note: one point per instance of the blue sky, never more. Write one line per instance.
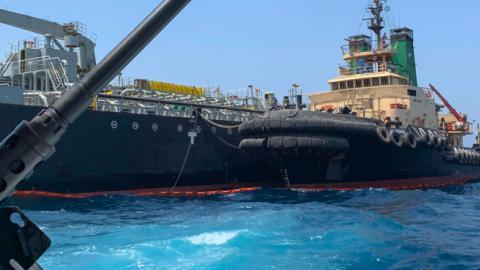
(274, 43)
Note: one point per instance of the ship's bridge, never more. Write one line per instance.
(378, 75)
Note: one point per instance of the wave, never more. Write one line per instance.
(214, 238)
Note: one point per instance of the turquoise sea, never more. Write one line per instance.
(266, 229)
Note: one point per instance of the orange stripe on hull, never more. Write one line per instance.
(180, 192)
(397, 184)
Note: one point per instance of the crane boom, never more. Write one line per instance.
(32, 24)
(53, 30)
(458, 116)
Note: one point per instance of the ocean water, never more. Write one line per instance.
(266, 229)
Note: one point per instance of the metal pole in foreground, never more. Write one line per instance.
(32, 143)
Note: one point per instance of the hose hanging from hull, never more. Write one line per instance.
(186, 156)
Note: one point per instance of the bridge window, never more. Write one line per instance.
(343, 85)
(366, 83)
(384, 80)
(358, 83)
(335, 86)
(375, 82)
(350, 84)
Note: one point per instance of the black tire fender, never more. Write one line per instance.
(383, 134)
(410, 139)
(397, 138)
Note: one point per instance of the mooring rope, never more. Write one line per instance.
(208, 122)
(217, 124)
(186, 156)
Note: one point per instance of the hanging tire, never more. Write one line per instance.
(427, 139)
(410, 139)
(383, 134)
(397, 138)
(435, 142)
(442, 143)
(463, 157)
(456, 154)
(470, 157)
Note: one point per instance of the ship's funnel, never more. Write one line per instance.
(404, 58)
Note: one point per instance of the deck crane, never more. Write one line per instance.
(459, 117)
(72, 33)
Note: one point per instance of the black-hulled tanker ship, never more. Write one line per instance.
(139, 136)
(375, 128)
(108, 152)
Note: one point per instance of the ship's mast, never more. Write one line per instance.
(376, 23)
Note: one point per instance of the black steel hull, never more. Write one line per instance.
(374, 164)
(98, 156)
(320, 150)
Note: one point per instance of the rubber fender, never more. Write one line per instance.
(301, 124)
(476, 158)
(436, 141)
(427, 139)
(259, 126)
(253, 144)
(287, 125)
(275, 143)
(467, 156)
(397, 138)
(448, 146)
(326, 144)
(383, 134)
(470, 157)
(442, 142)
(463, 156)
(246, 128)
(320, 126)
(274, 126)
(305, 143)
(457, 154)
(410, 139)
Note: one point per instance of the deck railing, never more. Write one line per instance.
(367, 68)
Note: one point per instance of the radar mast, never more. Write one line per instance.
(376, 23)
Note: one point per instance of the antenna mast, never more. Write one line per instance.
(376, 23)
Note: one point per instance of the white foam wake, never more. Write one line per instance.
(214, 238)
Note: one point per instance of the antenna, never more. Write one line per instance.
(376, 23)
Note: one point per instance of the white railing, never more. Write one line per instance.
(368, 68)
(52, 66)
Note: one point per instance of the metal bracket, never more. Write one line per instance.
(21, 241)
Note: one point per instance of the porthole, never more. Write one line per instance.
(114, 124)
(155, 127)
(179, 128)
(135, 125)
(230, 131)
(214, 130)
(198, 129)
